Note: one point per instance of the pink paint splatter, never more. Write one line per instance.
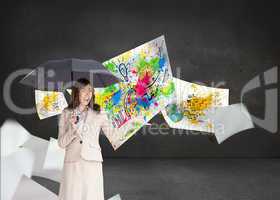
(133, 70)
(141, 86)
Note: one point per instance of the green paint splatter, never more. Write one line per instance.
(156, 92)
(109, 106)
(110, 90)
(143, 65)
(106, 94)
(111, 66)
(154, 62)
(168, 89)
(137, 124)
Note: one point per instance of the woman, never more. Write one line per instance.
(79, 127)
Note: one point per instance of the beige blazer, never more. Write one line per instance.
(69, 139)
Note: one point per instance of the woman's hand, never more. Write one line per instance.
(73, 120)
(74, 124)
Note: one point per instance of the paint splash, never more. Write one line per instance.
(195, 107)
(141, 86)
(168, 89)
(49, 101)
(145, 90)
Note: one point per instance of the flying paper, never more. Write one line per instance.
(55, 156)
(39, 147)
(49, 103)
(146, 89)
(116, 197)
(30, 190)
(13, 167)
(190, 105)
(230, 120)
(13, 135)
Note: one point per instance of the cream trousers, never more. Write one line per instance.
(82, 180)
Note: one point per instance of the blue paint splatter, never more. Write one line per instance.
(116, 97)
(143, 102)
(161, 63)
(137, 109)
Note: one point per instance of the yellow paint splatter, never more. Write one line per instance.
(143, 54)
(194, 87)
(49, 100)
(126, 56)
(209, 125)
(195, 107)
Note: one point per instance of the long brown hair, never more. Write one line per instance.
(75, 101)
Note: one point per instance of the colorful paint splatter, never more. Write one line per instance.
(49, 103)
(190, 109)
(147, 87)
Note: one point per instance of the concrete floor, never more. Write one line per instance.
(194, 179)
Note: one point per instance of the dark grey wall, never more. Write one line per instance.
(211, 41)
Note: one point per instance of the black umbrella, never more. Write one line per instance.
(57, 75)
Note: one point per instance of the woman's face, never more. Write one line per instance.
(85, 95)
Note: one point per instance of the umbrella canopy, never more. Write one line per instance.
(57, 75)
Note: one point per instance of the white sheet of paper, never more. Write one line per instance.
(39, 147)
(230, 120)
(30, 190)
(13, 135)
(49, 103)
(146, 88)
(12, 168)
(116, 197)
(55, 156)
(194, 116)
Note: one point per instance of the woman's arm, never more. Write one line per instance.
(66, 133)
